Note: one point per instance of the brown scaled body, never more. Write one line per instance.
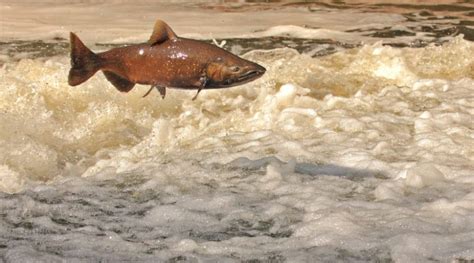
(165, 61)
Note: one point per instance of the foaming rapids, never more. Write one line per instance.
(372, 141)
(50, 129)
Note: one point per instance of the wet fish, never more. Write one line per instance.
(165, 61)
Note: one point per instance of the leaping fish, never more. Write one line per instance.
(165, 61)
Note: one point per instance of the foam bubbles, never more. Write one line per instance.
(10, 181)
(366, 153)
(422, 175)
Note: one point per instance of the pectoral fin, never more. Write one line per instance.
(195, 96)
(202, 82)
(161, 33)
(120, 83)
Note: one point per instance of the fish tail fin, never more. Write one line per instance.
(84, 62)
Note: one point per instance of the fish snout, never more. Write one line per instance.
(256, 69)
(260, 70)
(252, 72)
(221, 75)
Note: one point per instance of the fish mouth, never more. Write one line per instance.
(251, 74)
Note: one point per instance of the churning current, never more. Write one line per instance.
(356, 145)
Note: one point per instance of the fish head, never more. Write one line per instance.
(231, 71)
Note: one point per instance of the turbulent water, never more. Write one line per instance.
(347, 149)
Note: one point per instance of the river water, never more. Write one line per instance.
(356, 145)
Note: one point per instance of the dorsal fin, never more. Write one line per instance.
(161, 33)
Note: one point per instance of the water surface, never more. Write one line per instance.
(356, 145)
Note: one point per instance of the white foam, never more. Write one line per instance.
(365, 153)
(422, 175)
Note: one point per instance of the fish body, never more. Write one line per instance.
(165, 61)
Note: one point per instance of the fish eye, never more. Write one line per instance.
(234, 68)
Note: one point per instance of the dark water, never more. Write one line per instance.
(432, 34)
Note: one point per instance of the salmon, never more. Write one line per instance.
(164, 61)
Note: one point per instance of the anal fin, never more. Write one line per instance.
(122, 84)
